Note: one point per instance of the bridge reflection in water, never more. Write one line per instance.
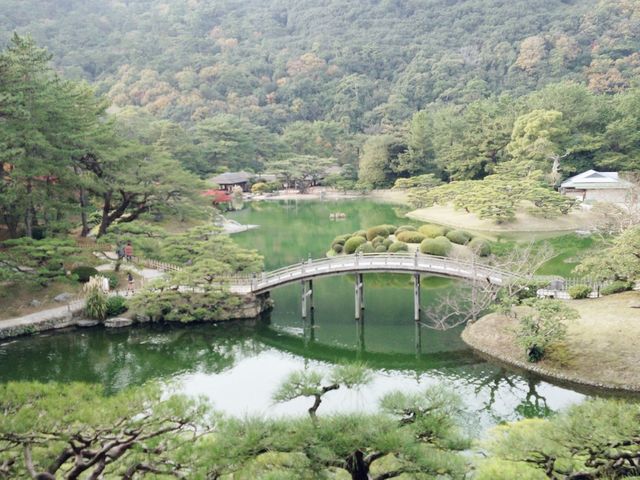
(304, 342)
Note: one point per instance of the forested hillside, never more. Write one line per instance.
(397, 87)
(367, 64)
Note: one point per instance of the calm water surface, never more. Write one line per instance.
(240, 365)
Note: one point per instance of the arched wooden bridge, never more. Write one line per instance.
(415, 264)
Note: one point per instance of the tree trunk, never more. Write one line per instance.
(83, 212)
(28, 215)
(11, 221)
(357, 467)
(106, 208)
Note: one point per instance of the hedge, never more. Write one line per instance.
(480, 246)
(579, 291)
(365, 248)
(360, 233)
(84, 273)
(398, 247)
(352, 244)
(387, 242)
(338, 248)
(410, 237)
(433, 231)
(459, 236)
(379, 231)
(616, 287)
(380, 249)
(440, 246)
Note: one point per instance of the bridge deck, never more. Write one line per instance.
(374, 262)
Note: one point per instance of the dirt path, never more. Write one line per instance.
(602, 349)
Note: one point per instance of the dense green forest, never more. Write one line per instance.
(367, 65)
(512, 93)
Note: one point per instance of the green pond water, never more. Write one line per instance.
(239, 365)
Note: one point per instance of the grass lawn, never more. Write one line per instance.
(568, 251)
(524, 222)
(601, 348)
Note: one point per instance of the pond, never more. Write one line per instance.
(239, 365)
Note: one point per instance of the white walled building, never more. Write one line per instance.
(592, 186)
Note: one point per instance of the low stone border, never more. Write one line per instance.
(546, 373)
(73, 316)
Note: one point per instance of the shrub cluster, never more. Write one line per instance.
(405, 228)
(84, 273)
(440, 246)
(481, 247)
(459, 237)
(398, 247)
(116, 305)
(579, 291)
(433, 231)
(353, 243)
(410, 237)
(616, 287)
(366, 247)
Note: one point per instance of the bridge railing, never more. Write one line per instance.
(373, 261)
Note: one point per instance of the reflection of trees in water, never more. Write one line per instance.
(117, 359)
(120, 358)
(490, 384)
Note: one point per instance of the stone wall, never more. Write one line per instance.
(65, 319)
(251, 306)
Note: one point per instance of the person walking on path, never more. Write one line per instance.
(130, 284)
(128, 251)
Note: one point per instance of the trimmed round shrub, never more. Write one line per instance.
(341, 239)
(353, 243)
(480, 246)
(360, 233)
(390, 229)
(405, 228)
(84, 273)
(398, 247)
(410, 237)
(377, 241)
(116, 305)
(338, 248)
(379, 231)
(459, 236)
(433, 231)
(387, 242)
(380, 249)
(365, 248)
(616, 287)
(578, 292)
(440, 246)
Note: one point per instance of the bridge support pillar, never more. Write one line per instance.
(359, 295)
(416, 297)
(307, 298)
